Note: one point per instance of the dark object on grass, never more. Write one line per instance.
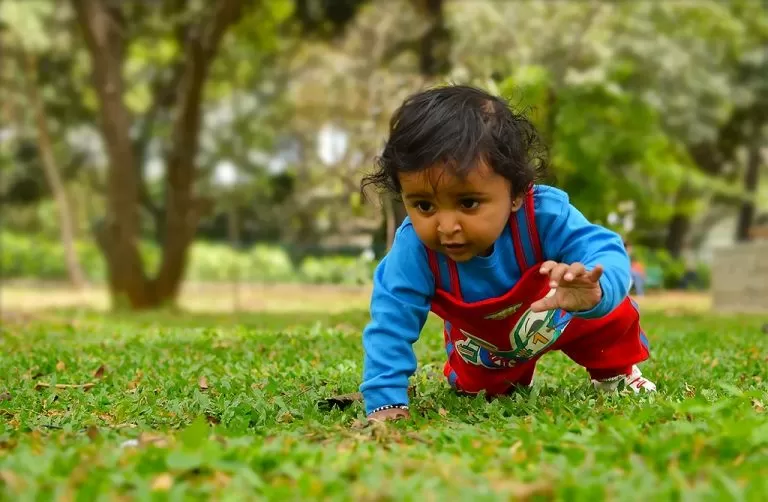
(765, 328)
(342, 401)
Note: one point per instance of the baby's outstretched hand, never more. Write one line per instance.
(390, 414)
(576, 289)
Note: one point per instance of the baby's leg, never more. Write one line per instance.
(471, 369)
(610, 348)
(466, 378)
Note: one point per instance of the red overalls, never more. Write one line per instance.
(494, 344)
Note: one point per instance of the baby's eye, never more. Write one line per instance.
(469, 203)
(424, 206)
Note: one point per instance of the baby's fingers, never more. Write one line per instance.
(557, 274)
(547, 267)
(596, 273)
(574, 271)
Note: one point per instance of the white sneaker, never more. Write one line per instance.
(635, 381)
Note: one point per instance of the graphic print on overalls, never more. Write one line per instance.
(533, 332)
(500, 333)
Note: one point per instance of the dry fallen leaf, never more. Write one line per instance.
(443, 412)
(93, 432)
(14, 482)
(60, 366)
(221, 479)
(99, 371)
(163, 482)
(5, 396)
(85, 386)
(758, 405)
(526, 491)
(159, 441)
(203, 383)
(135, 382)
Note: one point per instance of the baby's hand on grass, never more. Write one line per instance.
(390, 414)
(576, 288)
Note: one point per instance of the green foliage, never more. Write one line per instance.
(672, 270)
(345, 270)
(218, 262)
(622, 91)
(226, 408)
(39, 258)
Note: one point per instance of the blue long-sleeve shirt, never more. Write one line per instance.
(403, 286)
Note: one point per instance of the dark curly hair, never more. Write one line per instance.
(459, 125)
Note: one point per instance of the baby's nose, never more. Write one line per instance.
(448, 224)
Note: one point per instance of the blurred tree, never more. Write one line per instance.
(188, 37)
(347, 91)
(625, 93)
(25, 37)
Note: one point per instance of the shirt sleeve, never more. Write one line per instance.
(403, 286)
(567, 236)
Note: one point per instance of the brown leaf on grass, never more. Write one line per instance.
(526, 491)
(93, 432)
(135, 382)
(758, 405)
(416, 437)
(60, 366)
(203, 383)
(443, 412)
(14, 482)
(34, 373)
(162, 483)
(99, 373)
(212, 420)
(5, 396)
(341, 401)
(146, 438)
(84, 386)
(7, 445)
(67, 495)
(221, 480)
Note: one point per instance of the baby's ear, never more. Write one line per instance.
(517, 203)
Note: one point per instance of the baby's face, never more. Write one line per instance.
(460, 217)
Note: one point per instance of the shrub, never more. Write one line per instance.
(344, 270)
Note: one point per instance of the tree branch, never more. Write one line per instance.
(182, 209)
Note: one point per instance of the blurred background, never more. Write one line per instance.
(209, 153)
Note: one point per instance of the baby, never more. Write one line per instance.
(512, 268)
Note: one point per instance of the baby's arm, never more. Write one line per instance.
(568, 237)
(402, 288)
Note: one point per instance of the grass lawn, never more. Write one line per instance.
(193, 406)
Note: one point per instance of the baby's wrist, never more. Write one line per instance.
(389, 407)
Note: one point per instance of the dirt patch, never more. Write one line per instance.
(21, 298)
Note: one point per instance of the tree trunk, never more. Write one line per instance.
(751, 181)
(102, 26)
(118, 235)
(435, 44)
(53, 176)
(680, 223)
